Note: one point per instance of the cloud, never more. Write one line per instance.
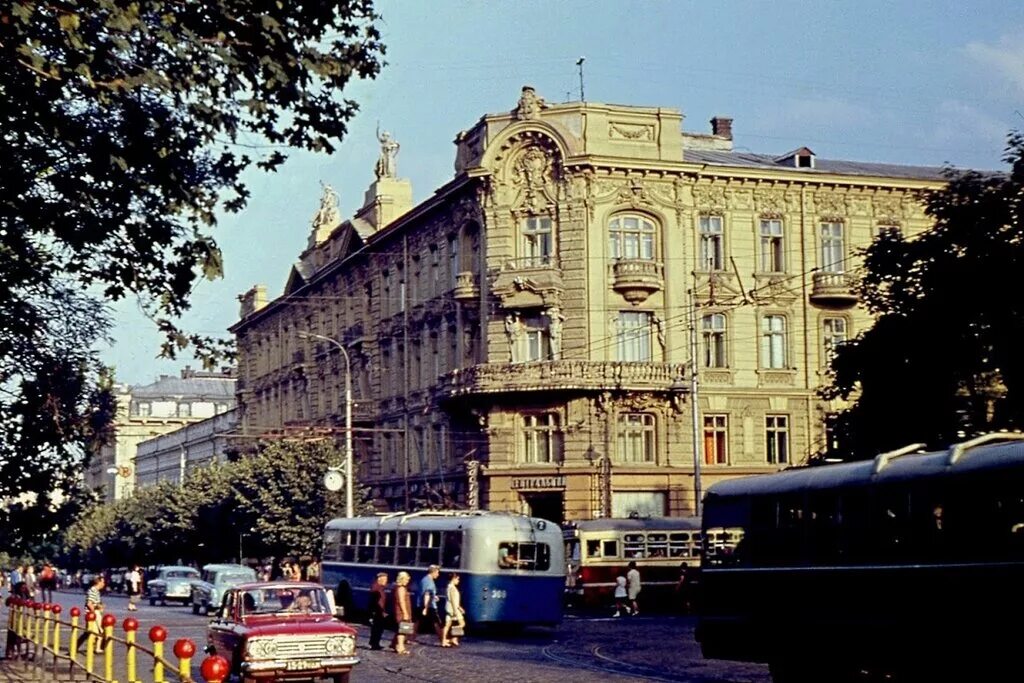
(1005, 58)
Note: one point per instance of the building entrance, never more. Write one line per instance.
(549, 506)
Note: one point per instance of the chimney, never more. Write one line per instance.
(721, 126)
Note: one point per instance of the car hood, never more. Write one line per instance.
(298, 625)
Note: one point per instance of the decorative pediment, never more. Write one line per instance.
(710, 199)
(541, 288)
(779, 290)
(717, 288)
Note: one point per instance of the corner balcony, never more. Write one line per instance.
(833, 290)
(466, 288)
(637, 279)
(564, 375)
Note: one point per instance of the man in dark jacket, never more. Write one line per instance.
(378, 614)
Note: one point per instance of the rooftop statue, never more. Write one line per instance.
(388, 151)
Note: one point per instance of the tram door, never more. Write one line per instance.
(547, 506)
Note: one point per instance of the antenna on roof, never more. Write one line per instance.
(579, 63)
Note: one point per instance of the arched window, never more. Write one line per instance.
(632, 237)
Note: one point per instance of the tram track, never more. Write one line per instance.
(609, 665)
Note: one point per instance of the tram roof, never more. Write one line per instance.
(888, 467)
(443, 520)
(639, 524)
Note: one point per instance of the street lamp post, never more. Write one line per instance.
(349, 498)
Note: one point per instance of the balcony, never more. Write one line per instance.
(466, 288)
(566, 375)
(528, 283)
(637, 279)
(833, 290)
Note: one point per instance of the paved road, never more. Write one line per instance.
(582, 649)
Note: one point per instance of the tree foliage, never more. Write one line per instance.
(126, 126)
(274, 497)
(943, 359)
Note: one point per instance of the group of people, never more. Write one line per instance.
(447, 619)
(627, 590)
(24, 582)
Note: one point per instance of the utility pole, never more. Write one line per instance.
(579, 63)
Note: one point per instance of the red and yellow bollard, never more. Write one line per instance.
(56, 610)
(109, 620)
(46, 624)
(157, 635)
(131, 626)
(90, 641)
(76, 612)
(183, 650)
(215, 669)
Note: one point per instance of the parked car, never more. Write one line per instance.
(208, 591)
(281, 631)
(172, 583)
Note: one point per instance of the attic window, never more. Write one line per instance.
(804, 161)
(798, 158)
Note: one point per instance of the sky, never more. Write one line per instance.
(921, 83)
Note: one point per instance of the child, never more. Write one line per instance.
(620, 596)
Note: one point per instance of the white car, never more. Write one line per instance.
(172, 583)
(208, 591)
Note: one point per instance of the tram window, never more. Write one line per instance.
(634, 546)
(610, 548)
(891, 521)
(657, 545)
(451, 549)
(367, 546)
(386, 547)
(594, 548)
(406, 548)
(680, 545)
(430, 547)
(332, 544)
(348, 547)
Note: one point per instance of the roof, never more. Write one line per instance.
(634, 524)
(821, 166)
(883, 469)
(212, 388)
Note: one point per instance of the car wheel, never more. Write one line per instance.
(152, 600)
(207, 608)
(341, 678)
(195, 607)
(163, 601)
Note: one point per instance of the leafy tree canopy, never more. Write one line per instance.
(126, 126)
(943, 359)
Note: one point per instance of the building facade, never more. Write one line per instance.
(150, 410)
(169, 457)
(521, 340)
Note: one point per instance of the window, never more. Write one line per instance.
(773, 342)
(453, 260)
(528, 556)
(716, 439)
(638, 503)
(602, 548)
(634, 336)
(542, 438)
(184, 410)
(776, 438)
(536, 242)
(536, 340)
(888, 229)
(833, 334)
(772, 254)
(636, 437)
(451, 549)
(711, 254)
(631, 237)
(833, 248)
(713, 327)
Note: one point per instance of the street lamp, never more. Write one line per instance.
(349, 502)
(123, 471)
(241, 537)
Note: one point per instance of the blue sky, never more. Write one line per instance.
(901, 82)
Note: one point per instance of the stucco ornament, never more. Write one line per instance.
(534, 173)
(555, 321)
(327, 215)
(530, 105)
(386, 167)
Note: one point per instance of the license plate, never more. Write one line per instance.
(301, 664)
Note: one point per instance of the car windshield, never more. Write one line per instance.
(181, 574)
(284, 601)
(235, 578)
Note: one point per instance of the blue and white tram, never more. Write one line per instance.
(512, 567)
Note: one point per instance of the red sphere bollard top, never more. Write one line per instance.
(56, 609)
(214, 669)
(108, 620)
(184, 648)
(47, 607)
(130, 624)
(76, 611)
(158, 634)
(90, 616)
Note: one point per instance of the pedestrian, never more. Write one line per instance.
(47, 582)
(454, 614)
(18, 581)
(94, 604)
(313, 571)
(620, 596)
(428, 598)
(403, 613)
(377, 609)
(31, 584)
(133, 581)
(633, 587)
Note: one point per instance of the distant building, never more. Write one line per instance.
(170, 456)
(151, 410)
(520, 340)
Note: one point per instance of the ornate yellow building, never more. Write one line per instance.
(521, 339)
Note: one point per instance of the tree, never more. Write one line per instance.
(126, 127)
(942, 361)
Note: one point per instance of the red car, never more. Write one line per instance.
(282, 631)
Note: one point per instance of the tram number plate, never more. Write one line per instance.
(301, 664)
